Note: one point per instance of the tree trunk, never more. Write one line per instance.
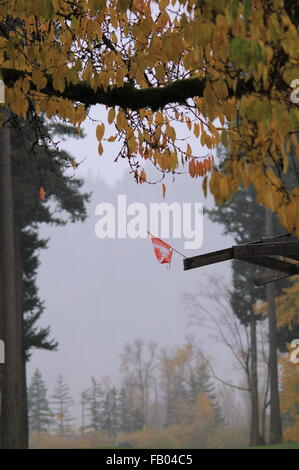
(1, 330)
(275, 419)
(255, 437)
(11, 398)
(265, 406)
(19, 293)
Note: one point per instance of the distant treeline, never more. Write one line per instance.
(159, 390)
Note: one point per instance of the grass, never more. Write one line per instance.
(283, 445)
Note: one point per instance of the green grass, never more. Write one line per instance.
(284, 445)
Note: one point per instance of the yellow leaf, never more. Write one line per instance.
(121, 121)
(100, 131)
(159, 118)
(196, 129)
(163, 4)
(142, 177)
(39, 80)
(205, 186)
(171, 133)
(58, 81)
(163, 190)
(221, 89)
(209, 95)
(111, 115)
(192, 168)
(100, 149)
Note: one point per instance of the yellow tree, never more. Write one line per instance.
(290, 398)
(222, 69)
(288, 305)
(187, 383)
(288, 316)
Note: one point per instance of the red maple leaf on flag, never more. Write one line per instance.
(162, 250)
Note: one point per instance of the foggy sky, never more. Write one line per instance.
(100, 294)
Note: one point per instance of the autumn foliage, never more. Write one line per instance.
(220, 70)
(290, 398)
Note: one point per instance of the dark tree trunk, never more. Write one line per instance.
(1, 329)
(275, 418)
(12, 396)
(265, 406)
(19, 288)
(255, 436)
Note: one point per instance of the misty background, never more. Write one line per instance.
(102, 294)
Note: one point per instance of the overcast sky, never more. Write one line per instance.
(100, 294)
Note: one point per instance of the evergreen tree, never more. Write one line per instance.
(178, 396)
(125, 416)
(244, 218)
(201, 383)
(110, 421)
(62, 402)
(83, 403)
(35, 336)
(40, 415)
(114, 412)
(138, 420)
(94, 400)
(29, 171)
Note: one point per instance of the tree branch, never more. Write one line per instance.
(128, 96)
(243, 389)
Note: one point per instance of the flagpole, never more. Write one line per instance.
(178, 252)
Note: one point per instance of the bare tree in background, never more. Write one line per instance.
(210, 308)
(138, 362)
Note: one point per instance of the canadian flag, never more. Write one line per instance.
(163, 251)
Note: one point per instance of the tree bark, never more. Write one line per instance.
(275, 418)
(255, 436)
(19, 294)
(128, 96)
(1, 328)
(11, 397)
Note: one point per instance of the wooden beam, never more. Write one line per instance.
(208, 258)
(283, 237)
(273, 263)
(266, 278)
(278, 238)
(288, 249)
(265, 253)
